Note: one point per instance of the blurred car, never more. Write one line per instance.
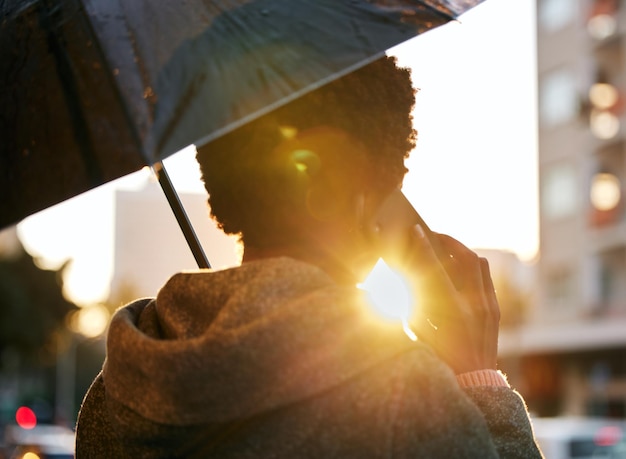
(44, 441)
(580, 438)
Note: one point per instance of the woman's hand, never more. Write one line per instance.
(460, 323)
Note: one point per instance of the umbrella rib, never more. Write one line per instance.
(69, 85)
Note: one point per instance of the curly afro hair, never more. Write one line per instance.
(251, 191)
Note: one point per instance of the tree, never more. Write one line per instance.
(32, 305)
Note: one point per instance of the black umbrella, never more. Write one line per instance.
(91, 90)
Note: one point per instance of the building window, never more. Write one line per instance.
(558, 98)
(612, 281)
(556, 14)
(559, 192)
(560, 288)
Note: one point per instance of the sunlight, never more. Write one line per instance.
(498, 205)
(389, 295)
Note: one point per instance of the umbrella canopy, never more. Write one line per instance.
(91, 90)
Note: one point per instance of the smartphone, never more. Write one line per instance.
(393, 219)
(396, 215)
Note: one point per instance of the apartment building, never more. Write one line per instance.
(150, 246)
(572, 351)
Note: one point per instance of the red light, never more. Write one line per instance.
(25, 418)
(608, 436)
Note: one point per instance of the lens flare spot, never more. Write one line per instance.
(306, 161)
(389, 295)
(288, 132)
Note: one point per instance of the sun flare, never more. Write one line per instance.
(389, 295)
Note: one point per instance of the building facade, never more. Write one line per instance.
(150, 247)
(572, 352)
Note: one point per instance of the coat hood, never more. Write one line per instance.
(218, 346)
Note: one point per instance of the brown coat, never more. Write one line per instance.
(273, 359)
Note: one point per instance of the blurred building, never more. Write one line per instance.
(150, 246)
(514, 281)
(573, 351)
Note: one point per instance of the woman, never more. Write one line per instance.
(276, 358)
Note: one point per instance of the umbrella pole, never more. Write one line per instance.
(181, 215)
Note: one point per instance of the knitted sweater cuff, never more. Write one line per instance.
(494, 378)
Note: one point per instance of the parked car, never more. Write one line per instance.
(580, 438)
(41, 442)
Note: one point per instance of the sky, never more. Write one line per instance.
(473, 174)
